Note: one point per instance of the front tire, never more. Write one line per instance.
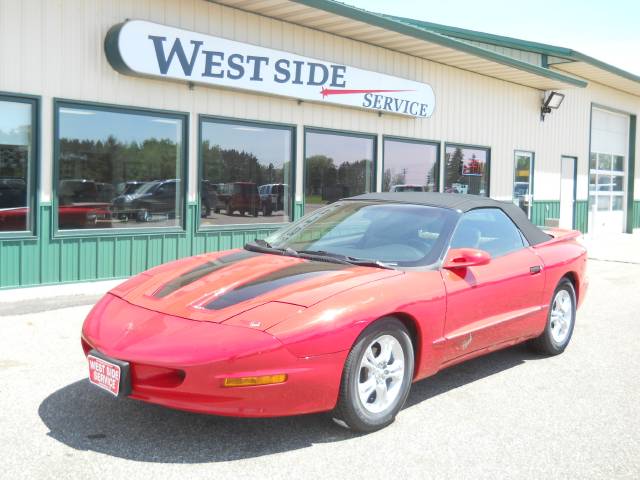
(376, 378)
(560, 321)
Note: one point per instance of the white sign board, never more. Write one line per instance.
(143, 48)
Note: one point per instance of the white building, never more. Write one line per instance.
(136, 132)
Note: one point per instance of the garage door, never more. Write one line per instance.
(607, 171)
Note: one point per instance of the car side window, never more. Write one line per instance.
(488, 229)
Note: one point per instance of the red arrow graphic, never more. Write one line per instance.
(330, 91)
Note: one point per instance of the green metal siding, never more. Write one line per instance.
(635, 223)
(543, 209)
(48, 260)
(581, 215)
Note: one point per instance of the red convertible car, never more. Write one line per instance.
(340, 311)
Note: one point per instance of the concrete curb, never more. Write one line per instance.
(21, 301)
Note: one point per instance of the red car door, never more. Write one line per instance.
(494, 303)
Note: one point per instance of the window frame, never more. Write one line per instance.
(203, 117)
(470, 146)
(33, 166)
(59, 103)
(435, 143)
(346, 133)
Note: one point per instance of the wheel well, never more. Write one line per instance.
(573, 278)
(412, 326)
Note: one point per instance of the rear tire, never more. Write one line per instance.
(560, 321)
(376, 378)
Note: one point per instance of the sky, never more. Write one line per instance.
(608, 30)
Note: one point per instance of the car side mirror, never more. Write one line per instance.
(465, 257)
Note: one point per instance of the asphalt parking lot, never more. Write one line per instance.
(510, 414)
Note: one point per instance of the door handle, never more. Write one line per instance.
(535, 269)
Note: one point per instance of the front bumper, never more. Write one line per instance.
(182, 363)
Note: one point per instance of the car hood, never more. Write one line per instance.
(216, 287)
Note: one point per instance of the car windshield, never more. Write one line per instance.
(131, 188)
(402, 235)
(147, 187)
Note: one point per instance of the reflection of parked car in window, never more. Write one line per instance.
(520, 189)
(272, 197)
(129, 187)
(13, 219)
(106, 192)
(208, 198)
(13, 192)
(77, 191)
(155, 197)
(79, 205)
(459, 188)
(239, 197)
(84, 215)
(407, 188)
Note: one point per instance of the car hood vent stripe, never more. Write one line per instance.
(202, 271)
(272, 281)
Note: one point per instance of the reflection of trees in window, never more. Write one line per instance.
(330, 183)
(231, 165)
(389, 179)
(465, 172)
(113, 161)
(453, 167)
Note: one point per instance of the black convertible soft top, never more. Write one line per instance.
(461, 203)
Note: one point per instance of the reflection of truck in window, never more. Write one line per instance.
(241, 197)
(272, 196)
(155, 197)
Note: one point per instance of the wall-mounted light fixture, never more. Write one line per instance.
(550, 101)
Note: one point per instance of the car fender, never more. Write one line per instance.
(335, 324)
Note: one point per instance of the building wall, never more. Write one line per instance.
(55, 50)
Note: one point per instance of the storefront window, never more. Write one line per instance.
(337, 165)
(16, 156)
(523, 180)
(246, 173)
(466, 170)
(410, 166)
(119, 168)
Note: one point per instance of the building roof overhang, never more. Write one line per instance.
(388, 32)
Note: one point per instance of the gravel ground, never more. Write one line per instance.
(510, 414)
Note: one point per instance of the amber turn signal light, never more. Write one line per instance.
(251, 381)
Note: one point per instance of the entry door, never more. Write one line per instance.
(567, 191)
(523, 180)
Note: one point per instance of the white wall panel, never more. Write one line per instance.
(54, 48)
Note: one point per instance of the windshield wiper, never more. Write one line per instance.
(262, 246)
(362, 262)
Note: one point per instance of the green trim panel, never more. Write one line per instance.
(635, 217)
(543, 209)
(581, 215)
(632, 206)
(48, 260)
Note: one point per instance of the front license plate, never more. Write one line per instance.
(104, 374)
